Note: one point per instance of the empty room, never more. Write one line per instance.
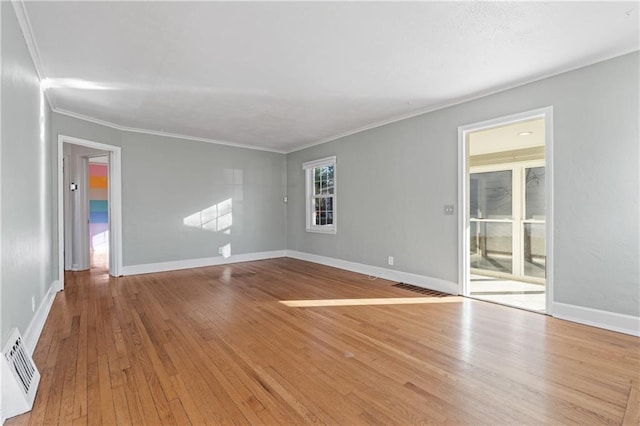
(320, 212)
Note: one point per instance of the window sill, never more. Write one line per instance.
(322, 230)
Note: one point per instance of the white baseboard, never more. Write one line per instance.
(33, 331)
(627, 324)
(388, 274)
(150, 268)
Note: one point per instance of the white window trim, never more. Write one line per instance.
(308, 167)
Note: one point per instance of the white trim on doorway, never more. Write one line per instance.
(115, 201)
(463, 202)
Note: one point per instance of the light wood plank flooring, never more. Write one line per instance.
(216, 345)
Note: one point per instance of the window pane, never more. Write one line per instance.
(321, 184)
(322, 203)
(326, 190)
(534, 193)
(490, 195)
(323, 210)
(491, 246)
(319, 207)
(316, 209)
(534, 250)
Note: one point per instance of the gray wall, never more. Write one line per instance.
(394, 180)
(26, 263)
(165, 180)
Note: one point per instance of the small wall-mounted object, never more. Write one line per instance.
(73, 186)
(20, 377)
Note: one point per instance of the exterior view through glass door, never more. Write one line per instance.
(506, 181)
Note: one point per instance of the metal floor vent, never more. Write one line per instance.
(20, 377)
(424, 291)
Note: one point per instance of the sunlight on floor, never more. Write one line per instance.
(508, 292)
(100, 259)
(366, 302)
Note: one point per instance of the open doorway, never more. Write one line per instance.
(86, 207)
(89, 210)
(505, 211)
(98, 205)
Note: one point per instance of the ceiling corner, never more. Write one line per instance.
(25, 26)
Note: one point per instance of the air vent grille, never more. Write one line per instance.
(423, 291)
(22, 366)
(20, 377)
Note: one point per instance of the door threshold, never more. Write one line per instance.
(506, 305)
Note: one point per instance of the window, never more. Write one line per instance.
(320, 200)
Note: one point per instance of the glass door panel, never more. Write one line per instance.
(533, 224)
(491, 246)
(491, 211)
(534, 250)
(534, 193)
(491, 195)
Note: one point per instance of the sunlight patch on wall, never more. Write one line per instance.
(100, 241)
(216, 218)
(225, 250)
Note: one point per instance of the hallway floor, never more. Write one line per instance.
(520, 294)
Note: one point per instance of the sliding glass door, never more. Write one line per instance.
(507, 220)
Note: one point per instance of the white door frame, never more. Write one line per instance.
(115, 203)
(463, 194)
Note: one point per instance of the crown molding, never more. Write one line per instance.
(32, 47)
(25, 25)
(364, 128)
(159, 133)
(462, 100)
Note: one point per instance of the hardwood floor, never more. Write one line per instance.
(216, 345)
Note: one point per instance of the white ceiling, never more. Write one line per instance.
(284, 75)
(508, 138)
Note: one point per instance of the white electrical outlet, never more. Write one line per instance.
(220, 250)
(33, 303)
(390, 260)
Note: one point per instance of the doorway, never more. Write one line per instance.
(98, 206)
(89, 206)
(505, 211)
